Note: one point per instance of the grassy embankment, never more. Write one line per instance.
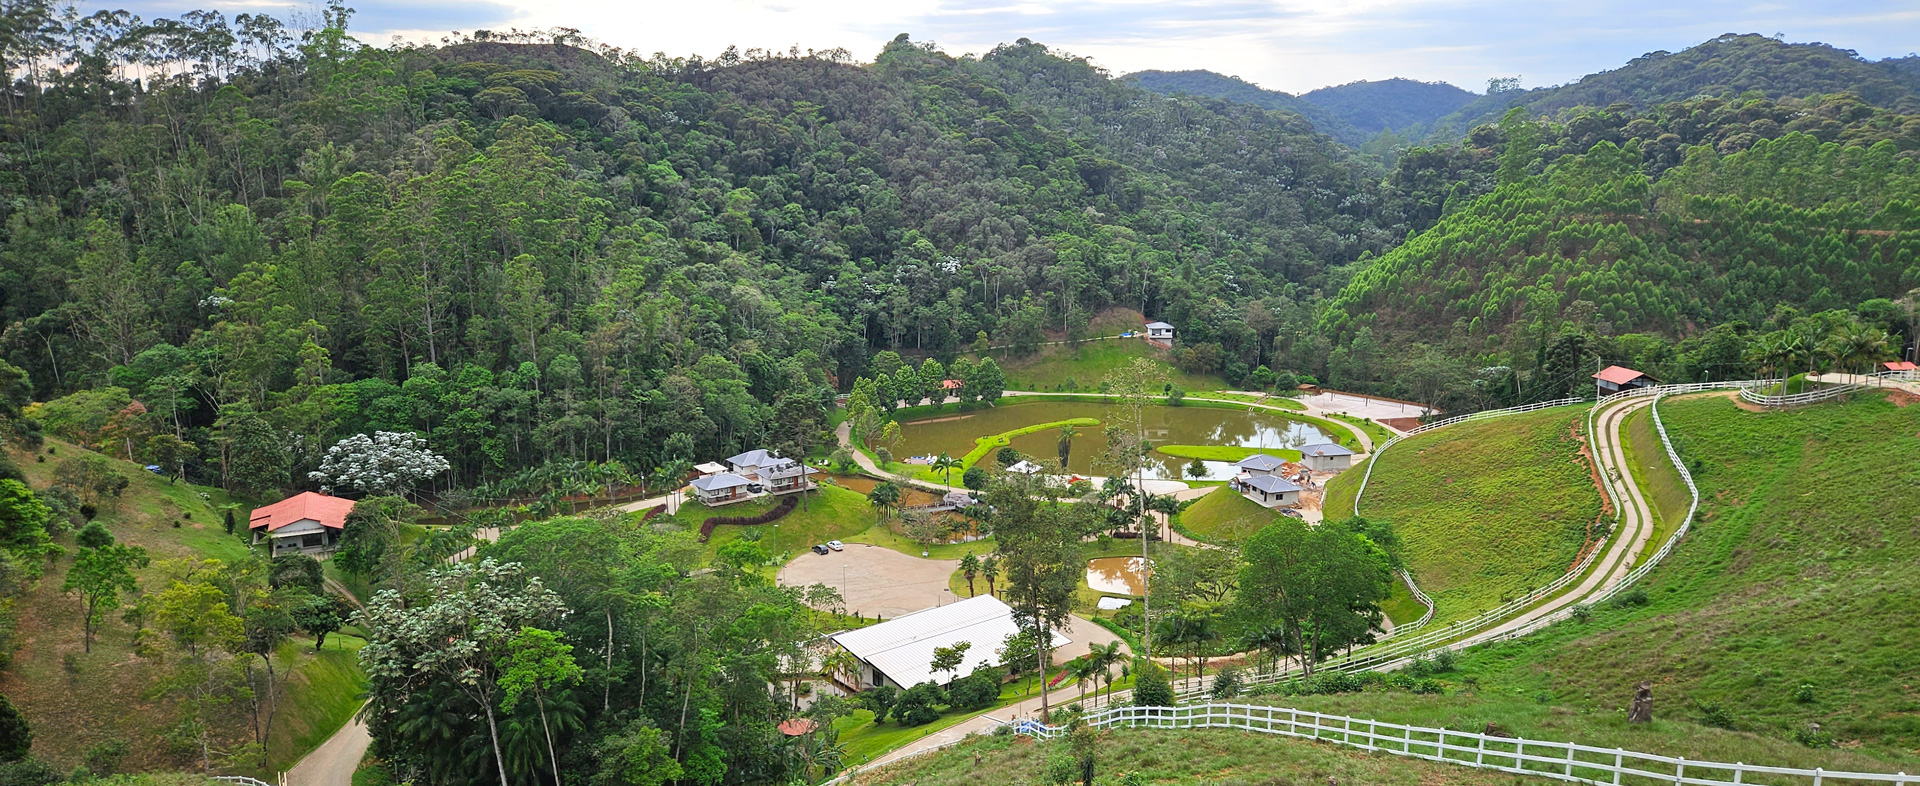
(1201, 757)
(1653, 472)
(76, 700)
(1376, 432)
(1224, 452)
(1784, 607)
(1485, 510)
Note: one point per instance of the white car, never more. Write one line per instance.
(836, 545)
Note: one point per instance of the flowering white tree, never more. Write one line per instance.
(388, 462)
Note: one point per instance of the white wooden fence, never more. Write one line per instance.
(1565, 761)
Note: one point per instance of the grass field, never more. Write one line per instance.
(1375, 431)
(1062, 368)
(1224, 515)
(76, 699)
(1199, 757)
(1486, 510)
(832, 513)
(1659, 483)
(1796, 573)
(1223, 452)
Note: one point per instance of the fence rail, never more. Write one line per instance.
(242, 780)
(1565, 761)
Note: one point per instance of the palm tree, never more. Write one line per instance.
(990, 568)
(884, 496)
(1856, 347)
(945, 465)
(839, 661)
(1105, 656)
(1065, 446)
(970, 567)
(1770, 352)
(1084, 670)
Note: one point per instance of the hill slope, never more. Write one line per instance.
(1727, 65)
(1808, 529)
(1233, 88)
(1485, 510)
(1350, 113)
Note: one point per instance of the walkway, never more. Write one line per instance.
(333, 763)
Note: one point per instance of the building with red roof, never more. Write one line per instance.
(1614, 379)
(1900, 365)
(304, 523)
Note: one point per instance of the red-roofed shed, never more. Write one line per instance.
(305, 522)
(1614, 379)
(795, 727)
(1900, 365)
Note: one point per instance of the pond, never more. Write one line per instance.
(954, 434)
(1117, 575)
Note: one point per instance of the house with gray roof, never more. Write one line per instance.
(1260, 464)
(1270, 491)
(723, 488)
(1326, 457)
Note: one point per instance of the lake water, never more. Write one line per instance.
(1116, 575)
(954, 434)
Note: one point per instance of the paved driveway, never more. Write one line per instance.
(876, 580)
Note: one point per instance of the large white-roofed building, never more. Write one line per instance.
(900, 651)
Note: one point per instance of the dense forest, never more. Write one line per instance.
(1352, 113)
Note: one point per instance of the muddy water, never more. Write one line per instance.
(1165, 426)
(1117, 575)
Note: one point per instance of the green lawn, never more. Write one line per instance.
(1224, 452)
(984, 446)
(1486, 510)
(1061, 368)
(1224, 515)
(1659, 482)
(323, 692)
(832, 513)
(1796, 573)
(1376, 432)
(1401, 606)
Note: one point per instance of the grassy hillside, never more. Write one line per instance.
(1214, 757)
(1487, 510)
(1059, 367)
(1224, 515)
(1792, 576)
(76, 700)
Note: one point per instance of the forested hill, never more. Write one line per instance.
(1351, 113)
(1727, 66)
(1233, 88)
(541, 251)
(1390, 104)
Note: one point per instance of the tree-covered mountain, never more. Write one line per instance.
(1233, 88)
(1351, 113)
(1728, 66)
(539, 251)
(1390, 105)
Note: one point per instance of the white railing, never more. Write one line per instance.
(1565, 761)
(239, 779)
(1753, 396)
(1418, 595)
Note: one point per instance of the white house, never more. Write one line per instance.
(1326, 457)
(1159, 331)
(900, 651)
(1025, 467)
(748, 464)
(1269, 490)
(722, 488)
(783, 476)
(1259, 464)
(305, 523)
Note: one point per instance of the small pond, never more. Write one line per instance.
(1117, 575)
(954, 434)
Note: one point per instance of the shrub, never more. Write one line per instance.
(976, 691)
(15, 736)
(1226, 684)
(1804, 694)
(974, 478)
(1580, 613)
(1150, 685)
(879, 700)
(1007, 457)
(105, 758)
(1634, 597)
(1062, 769)
(1811, 736)
(1715, 715)
(917, 706)
(28, 772)
(94, 535)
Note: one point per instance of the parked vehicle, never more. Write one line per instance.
(819, 548)
(836, 545)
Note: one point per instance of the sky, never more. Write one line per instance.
(1290, 45)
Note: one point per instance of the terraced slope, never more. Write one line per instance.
(1487, 510)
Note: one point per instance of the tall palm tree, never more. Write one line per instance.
(1065, 446)
(1856, 347)
(1106, 656)
(945, 465)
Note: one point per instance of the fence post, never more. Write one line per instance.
(1619, 757)
(1818, 775)
(1737, 767)
(1519, 750)
(1680, 773)
(1569, 758)
(1406, 743)
(1346, 733)
(1480, 756)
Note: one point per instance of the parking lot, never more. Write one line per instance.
(876, 580)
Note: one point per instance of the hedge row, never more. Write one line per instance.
(787, 504)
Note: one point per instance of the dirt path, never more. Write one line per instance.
(333, 763)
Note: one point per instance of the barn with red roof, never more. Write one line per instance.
(306, 523)
(1614, 379)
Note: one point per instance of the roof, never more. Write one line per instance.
(1901, 365)
(719, 482)
(794, 727)
(958, 499)
(950, 384)
(752, 458)
(902, 648)
(1618, 375)
(1024, 467)
(710, 468)
(331, 512)
(1261, 462)
(1152, 325)
(1270, 484)
(1325, 449)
